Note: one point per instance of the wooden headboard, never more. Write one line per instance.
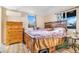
(56, 24)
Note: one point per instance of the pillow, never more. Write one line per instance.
(59, 28)
(49, 29)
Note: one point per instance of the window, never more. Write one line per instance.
(63, 15)
(32, 21)
(71, 19)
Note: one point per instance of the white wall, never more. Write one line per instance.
(0, 25)
(78, 20)
(77, 24)
(50, 18)
(25, 21)
(40, 21)
(13, 16)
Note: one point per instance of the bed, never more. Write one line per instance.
(41, 39)
(47, 38)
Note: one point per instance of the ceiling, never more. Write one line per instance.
(40, 10)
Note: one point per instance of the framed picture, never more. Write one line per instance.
(31, 21)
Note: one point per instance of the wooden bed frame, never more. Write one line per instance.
(42, 43)
(35, 45)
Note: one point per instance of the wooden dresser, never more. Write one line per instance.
(14, 32)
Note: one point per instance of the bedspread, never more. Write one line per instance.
(44, 43)
(37, 40)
